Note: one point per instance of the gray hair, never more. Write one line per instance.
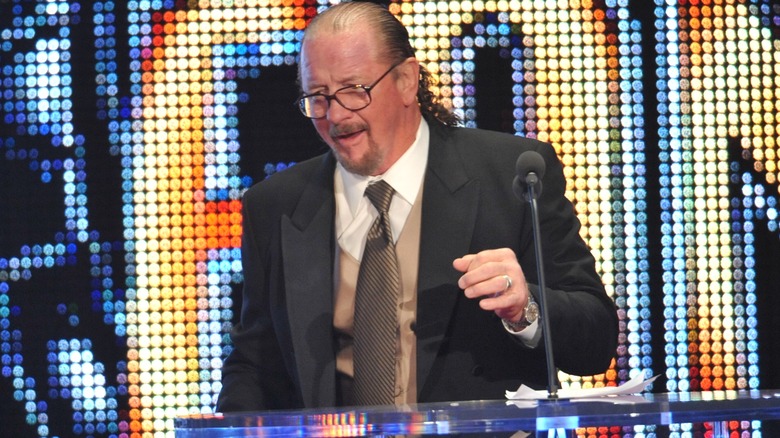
(394, 38)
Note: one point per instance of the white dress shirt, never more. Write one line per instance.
(355, 214)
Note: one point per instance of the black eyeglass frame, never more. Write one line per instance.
(334, 96)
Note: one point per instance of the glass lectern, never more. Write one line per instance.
(492, 417)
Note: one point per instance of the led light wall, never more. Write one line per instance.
(717, 102)
(127, 142)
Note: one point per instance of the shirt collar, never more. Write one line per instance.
(405, 175)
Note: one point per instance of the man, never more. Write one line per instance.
(463, 242)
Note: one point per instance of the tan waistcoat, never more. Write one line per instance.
(408, 252)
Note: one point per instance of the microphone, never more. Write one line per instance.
(527, 186)
(530, 169)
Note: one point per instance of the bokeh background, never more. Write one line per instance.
(130, 129)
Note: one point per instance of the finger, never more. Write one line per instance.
(504, 305)
(462, 263)
(489, 287)
(507, 285)
(470, 262)
(491, 272)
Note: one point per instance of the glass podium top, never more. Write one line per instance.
(489, 416)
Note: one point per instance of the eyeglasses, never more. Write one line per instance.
(351, 97)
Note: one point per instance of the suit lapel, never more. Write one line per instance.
(450, 200)
(307, 253)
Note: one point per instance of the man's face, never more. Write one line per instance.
(366, 141)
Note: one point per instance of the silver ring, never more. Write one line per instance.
(508, 282)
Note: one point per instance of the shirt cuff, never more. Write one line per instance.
(529, 336)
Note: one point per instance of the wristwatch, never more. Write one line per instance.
(530, 315)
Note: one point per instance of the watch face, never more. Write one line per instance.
(532, 312)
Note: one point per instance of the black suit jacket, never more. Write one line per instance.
(284, 350)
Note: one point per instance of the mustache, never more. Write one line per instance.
(340, 130)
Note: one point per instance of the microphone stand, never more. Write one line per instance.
(552, 373)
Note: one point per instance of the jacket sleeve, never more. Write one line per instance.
(254, 376)
(583, 318)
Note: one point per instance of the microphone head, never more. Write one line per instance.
(530, 169)
(530, 161)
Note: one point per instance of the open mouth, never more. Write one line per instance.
(348, 136)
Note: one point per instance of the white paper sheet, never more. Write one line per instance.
(633, 386)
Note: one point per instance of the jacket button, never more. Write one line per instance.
(477, 370)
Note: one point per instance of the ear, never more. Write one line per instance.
(408, 80)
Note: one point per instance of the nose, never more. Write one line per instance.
(337, 112)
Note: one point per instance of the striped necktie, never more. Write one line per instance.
(376, 301)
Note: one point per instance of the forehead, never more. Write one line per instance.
(337, 57)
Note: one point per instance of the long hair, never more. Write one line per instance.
(394, 38)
